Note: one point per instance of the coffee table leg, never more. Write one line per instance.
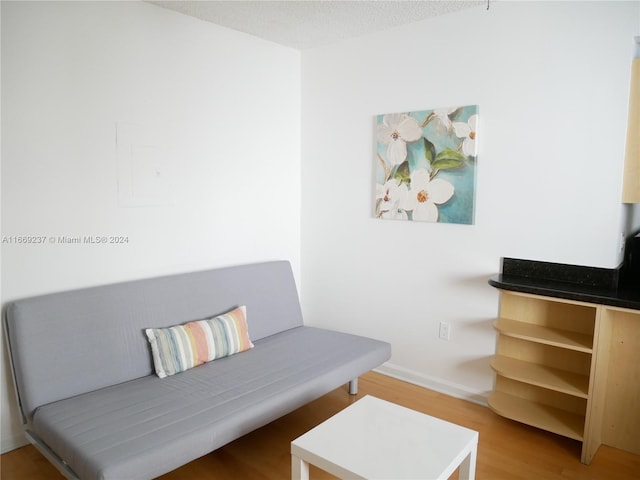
(467, 469)
(299, 469)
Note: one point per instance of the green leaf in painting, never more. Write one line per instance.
(403, 173)
(448, 159)
(429, 150)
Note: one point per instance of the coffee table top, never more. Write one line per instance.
(373, 438)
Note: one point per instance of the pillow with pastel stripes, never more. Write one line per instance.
(181, 347)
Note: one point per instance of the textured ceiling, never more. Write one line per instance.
(302, 24)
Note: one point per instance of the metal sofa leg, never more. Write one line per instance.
(353, 386)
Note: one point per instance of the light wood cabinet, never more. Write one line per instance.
(631, 177)
(569, 367)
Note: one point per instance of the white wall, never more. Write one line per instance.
(220, 109)
(551, 81)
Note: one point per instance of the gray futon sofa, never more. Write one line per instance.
(87, 388)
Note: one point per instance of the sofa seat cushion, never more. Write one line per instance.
(150, 426)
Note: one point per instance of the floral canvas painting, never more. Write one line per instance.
(426, 165)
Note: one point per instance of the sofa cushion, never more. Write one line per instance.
(146, 427)
(101, 329)
(181, 347)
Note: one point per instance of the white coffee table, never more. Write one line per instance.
(376, 439)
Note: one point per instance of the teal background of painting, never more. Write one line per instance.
(461, 207)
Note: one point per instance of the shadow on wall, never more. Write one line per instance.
(480, 282)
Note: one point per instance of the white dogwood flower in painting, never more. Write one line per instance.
(443, 115)
(395, 131)
(425, 194)
(467, 131)
(391, 199)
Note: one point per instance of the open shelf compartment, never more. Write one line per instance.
(552, 419)
(541, 334)
(542, 376)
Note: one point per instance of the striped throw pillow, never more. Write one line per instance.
(181, 347)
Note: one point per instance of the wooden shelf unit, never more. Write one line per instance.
(569, 367)
(543, 363)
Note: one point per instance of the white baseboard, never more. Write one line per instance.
(433, 383)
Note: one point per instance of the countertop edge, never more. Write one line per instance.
(610, 297)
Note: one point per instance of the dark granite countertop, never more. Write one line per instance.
(571, 282)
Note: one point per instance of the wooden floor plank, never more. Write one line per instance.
(507, 450)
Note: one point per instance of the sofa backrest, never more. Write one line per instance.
(73, 342)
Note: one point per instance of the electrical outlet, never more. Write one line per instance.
(444, 331)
